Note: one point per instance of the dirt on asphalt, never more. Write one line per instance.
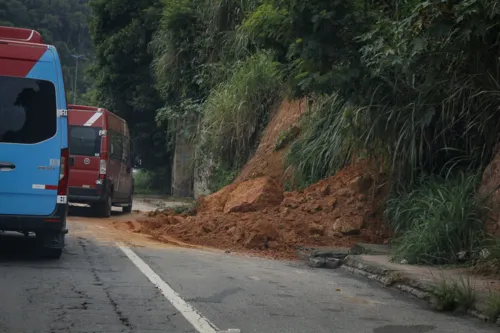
(257, 217)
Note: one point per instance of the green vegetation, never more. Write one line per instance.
(436, 219)
(286, 137)
(412, 84)
(453, 295)
(238, 109)
(121, 32)
(144, 182)
(493, 306)
(325, 144)
(62, 23)
(221, 176)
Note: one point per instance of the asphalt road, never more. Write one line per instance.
(97, 287)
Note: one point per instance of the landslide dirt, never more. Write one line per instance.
(267, 161)
(254, 215)
(336, 212)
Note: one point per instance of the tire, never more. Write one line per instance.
(103, 209)
(128, 209)
(43, 239)
(52, 253)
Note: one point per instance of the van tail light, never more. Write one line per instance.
(62, 187)
(103, 166)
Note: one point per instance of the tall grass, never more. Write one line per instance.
(437, 219)
(327, 142)
(238, 109)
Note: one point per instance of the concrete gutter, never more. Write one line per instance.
(401, 280)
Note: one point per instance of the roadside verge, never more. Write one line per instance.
(422, 282)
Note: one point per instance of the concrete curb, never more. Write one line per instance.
(396, 279)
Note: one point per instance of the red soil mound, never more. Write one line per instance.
(256, 215)
(267, 161)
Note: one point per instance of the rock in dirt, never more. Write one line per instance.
(333, 253)
(316, 262)
(333, 263)
(348, 226)
(290, 203)
(215, 202)
(316, 229)
(321, 262)
(256, 241)
(255, 194)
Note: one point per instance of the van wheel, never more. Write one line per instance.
(52, 253)
(103, 209)
(46, 241)
(128, 209)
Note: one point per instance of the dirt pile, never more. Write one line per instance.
(269, 156)
(256, 215)
(253, 195)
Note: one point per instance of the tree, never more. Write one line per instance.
(121, 31)
(62, 23)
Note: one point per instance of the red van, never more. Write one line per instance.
(101, 168)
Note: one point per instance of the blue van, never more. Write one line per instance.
(34, 152)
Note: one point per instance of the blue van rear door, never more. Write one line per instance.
(30, 143)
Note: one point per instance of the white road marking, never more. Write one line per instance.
(200, 323)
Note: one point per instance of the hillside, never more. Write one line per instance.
(63, 23)
(254, 214)
(408, 89)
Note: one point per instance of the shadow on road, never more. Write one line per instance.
(84, 211)
(17, 247)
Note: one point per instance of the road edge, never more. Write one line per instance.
(396, 279)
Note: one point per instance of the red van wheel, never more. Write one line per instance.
(103, 209)
(128, 209)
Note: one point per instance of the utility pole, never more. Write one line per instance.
(77, 57)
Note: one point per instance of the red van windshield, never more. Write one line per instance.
(85, 141)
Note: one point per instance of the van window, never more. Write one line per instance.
(126, 148)
(28, 110)
(84, 141)
(116, 145)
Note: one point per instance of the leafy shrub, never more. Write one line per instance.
(142, 182)
(436, 219)
(220, 177)
(493, 306)
(237, 110)
(453, 295)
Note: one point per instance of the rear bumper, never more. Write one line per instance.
(54, 222)
(87, 195)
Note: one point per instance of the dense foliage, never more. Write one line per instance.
(426, 94)
(437, 219)
(412, 81)
(62, 23)
(121, 32)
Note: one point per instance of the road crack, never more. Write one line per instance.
(98, 282)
